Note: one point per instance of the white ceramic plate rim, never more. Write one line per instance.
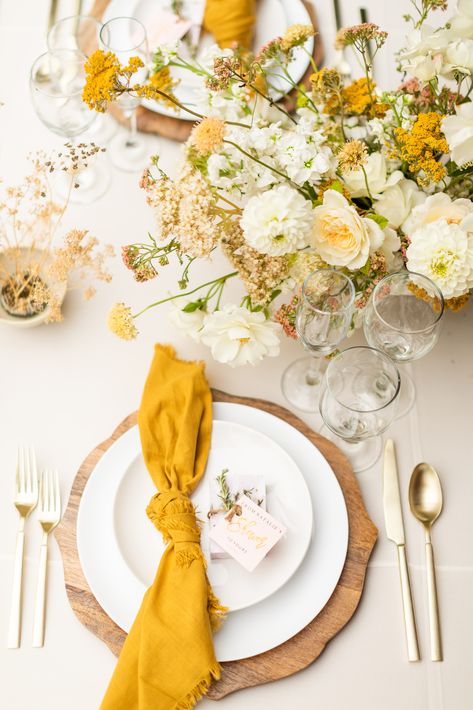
(297, 603)
(295, 13)
(288, 478)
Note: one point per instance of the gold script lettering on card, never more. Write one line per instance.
(243, 526)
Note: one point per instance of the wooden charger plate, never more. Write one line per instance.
(291, 656)
(177, 129)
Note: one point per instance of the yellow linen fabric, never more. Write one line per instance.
(230, 21)
(168, 659)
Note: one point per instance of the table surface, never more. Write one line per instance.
(65, 386)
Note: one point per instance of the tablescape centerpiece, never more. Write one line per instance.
(363, 180)
(36, 266)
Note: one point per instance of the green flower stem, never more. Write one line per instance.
(222, 279)
(266, 97)
(311, 58)
(366, 183)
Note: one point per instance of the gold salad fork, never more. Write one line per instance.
(26, 497)
(48, 516)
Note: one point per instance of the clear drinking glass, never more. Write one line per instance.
(82, 32)
(56, 82)
(322, 322)
(126, 38)
(358, 402)
(402, 318)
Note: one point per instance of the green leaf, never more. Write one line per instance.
(378, 218)
(193, 306)
(337, 185)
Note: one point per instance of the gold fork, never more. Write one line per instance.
(48, 516)
(26, 497)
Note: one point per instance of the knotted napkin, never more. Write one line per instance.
(168, 659)
(230, 21)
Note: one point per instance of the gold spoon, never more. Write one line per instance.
(425, 500)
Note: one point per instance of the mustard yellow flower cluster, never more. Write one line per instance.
(207, 136)
(422, 146)
(160, 88)
(296, 35)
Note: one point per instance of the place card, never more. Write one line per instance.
(247, 533)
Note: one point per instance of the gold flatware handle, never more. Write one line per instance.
(40, 603)
(408, 606)
(434, 616)
(14, 627)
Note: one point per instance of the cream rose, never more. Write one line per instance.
(398, 199)
(459, 133)
(375, 171)
(435, 207)
(340, 235)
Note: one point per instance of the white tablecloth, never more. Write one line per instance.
(64, 387)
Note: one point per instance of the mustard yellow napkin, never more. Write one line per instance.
(230, 21)
(168, 659)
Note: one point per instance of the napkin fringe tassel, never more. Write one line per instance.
(200, 689)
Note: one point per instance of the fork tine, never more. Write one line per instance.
(57, 491)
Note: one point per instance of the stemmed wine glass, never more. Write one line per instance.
(402, 318)
(56, 82)
(323, 318)
(126, 38)
(82, 32)
(358, 402)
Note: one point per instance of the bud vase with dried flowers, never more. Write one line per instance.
(37, 266)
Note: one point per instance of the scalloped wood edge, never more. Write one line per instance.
(296, 653)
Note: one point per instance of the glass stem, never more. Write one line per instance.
(313, 373)
(133, 129)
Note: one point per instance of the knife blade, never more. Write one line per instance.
(395, 532)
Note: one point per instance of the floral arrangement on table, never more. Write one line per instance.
(36, 268)
(359, 179)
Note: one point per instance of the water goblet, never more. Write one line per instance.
(126, 38)
(56, 82)
(82, 32)
(358, 402)
(402, 318)
(323, 318)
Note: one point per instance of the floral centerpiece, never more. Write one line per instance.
(360, 179)
(36, 266)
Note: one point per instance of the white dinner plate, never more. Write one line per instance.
(112, 523)
(246, 632)
(272, 20)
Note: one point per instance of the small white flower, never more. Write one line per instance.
(398, 199)
(444, 253)
(459, 57)
(435, 207)
(189, 322)
(278, 221)
(459, 133)
(462, 22)
(238, 336)
(375, 170)
(341, 236)
(390, 249)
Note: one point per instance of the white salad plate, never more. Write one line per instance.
(119, 548)
(272, 20)
(113, 525)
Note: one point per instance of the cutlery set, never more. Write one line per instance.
(425, 501)
(31, 490)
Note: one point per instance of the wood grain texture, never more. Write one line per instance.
(291, 656)
(179, 130)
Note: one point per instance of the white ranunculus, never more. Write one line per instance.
(278, 221)
(237, 336)
(459, 56)
(424, 67)
(436, 207)
(191, 323)
(375, 169)
(423, 56)
(341, 236)
(458, 131)
(444, 253)
(462, 21)
(398, 199)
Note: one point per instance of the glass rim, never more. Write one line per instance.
(385, 357)
(405, 330)
(319, 310)
(52, 52)
(125, 49)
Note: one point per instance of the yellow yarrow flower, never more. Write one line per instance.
(160, 88)
(422, 146)
(120, 322)
(106, 79)
(296, 35)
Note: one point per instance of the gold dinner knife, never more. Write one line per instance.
(395, 532)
